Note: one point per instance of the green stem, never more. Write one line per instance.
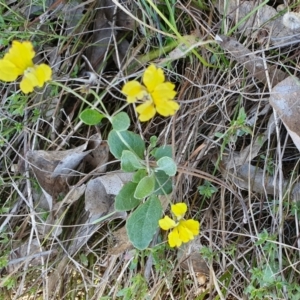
(247, 17)
(104, 217)
(93, 106)
(181, 39)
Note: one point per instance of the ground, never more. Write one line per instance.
(228, 148)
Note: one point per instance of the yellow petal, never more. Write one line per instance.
(174, 239)
(134, 91)
(179, 210)
(28, 82)
(8, 71)
(167, 108)
(146, 111)
(153, 77)
(164, 91)
(184, 233)
(166, 223)
(192, 225)
(43, 74)
(36, 76)
(20, 54)
(163, 96)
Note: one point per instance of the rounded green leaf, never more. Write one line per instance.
(139, 175)
(125, 200)
(163, 183)
(130, 162)
(153, 141)
(120, 122)
(119, 141)
(91, 117)
(167, 165)
(145, 187)
(143, 223)
(162, 151)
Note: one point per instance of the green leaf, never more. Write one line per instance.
(247, 129)
(119, 141)
(83, 259)
(125, 200)
(163, 183)
(153, 141)
(242, 115)
(168, 165)
(143, 223)
(130, 162)
(219, 134)
(91, 117)
(145, 187)
(139, 175)
(207, 189)
(162, 151)
(120, 122)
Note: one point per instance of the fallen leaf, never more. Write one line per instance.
(253, 63)
(97, 201)
(99, 205)
(121, 242)
(98, 157)
(114, 182)
(100, 194)
(53, 168)
(29, 253)
(110, 26)
(117, 15)
(291, 20)
(42, 200)
(101, 41)
(255, 179)
(55, 219)
(285, 100)
(190, 259)
(35, 8)
(251, 16)
(120, 55)
(72, 14)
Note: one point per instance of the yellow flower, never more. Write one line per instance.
(134, 90)
(157, 94)
(182, 231)
(19, 61)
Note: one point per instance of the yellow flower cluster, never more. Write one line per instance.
(182, 231)
(156, 94)
(19, 61)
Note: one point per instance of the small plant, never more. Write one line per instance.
(9, 282)
(152, 166)
(3, 261)
(236, 129)
(266, 280)
(16, 104)
(138, 289)
(207, 189)
(162, 265)
(269, 164)
(207, 253)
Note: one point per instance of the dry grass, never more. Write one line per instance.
(249, 231)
